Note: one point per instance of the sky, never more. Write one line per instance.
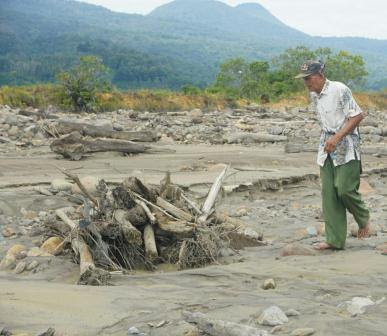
(365, 18)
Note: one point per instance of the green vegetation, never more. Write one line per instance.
(239, 78)
(80, 85)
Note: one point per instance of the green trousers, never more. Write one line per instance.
(340, 187)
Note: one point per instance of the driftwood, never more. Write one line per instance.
(136, 186)
(221, 328)
(150, 243)
(130, 233)
(178, 213)
(67, 127)
(78, 244)
(74, 147)
(137, 216)
(212, 195)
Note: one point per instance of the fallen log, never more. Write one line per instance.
(219, 327)
(130, 233)
(67, 127)
(74, 147)
(150, 243)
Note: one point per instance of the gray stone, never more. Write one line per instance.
(297, 249)
(312, 231)
(303, 332)
(292, 312)
(273, 316)
(14, 130)
(32, 265)
(20, 267)
(11, 120)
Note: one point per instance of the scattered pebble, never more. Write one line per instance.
(269, 284)
(303, 332)
(273, 316)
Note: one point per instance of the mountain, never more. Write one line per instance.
(182, 42)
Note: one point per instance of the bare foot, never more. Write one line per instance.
(322, 246)
(384, 252)
(364, 232)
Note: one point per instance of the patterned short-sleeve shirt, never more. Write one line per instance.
(334, 106)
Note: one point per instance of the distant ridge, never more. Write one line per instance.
(182, 42)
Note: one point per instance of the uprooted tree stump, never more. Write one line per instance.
(135, 226)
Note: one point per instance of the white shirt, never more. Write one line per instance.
(334, 106)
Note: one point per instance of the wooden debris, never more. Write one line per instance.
(150, 243)
(212, 195)
(74, 147)
(131, 234)
(132, 226)
(67, 127)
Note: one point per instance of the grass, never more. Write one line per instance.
(41, 96)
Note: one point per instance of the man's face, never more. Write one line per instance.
(314, 83)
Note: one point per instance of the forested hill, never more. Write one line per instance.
(180, 43)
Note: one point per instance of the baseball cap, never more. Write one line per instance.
(311, 67)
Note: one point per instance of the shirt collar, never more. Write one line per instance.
(325, 88)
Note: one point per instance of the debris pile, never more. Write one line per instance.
(134, 226)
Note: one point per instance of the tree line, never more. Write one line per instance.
(237, 78)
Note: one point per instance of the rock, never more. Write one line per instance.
(35, 252)
(48, 332)
(269, 284)
(89, 182)
(20, 267)
(382, 247)
(21, 255)
(8, 232)
(276, 329)
(272, 316)
(11, 120)
(14, 130)
(292, 312)
(32, 265)
(195, 113)
(8, 262)
(16, 249)
(302, 332)
(311, 231)
(4, 331)
(298, 249)
(53, 245)
(135, 331)
(61, 185)
(357, 305)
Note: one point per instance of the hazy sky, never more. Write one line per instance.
(325, 18)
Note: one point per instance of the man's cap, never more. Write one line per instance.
(311, 67)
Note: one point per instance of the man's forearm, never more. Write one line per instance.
(349, 126)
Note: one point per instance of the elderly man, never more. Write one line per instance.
(338, 155)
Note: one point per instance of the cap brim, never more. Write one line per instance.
(302, 75)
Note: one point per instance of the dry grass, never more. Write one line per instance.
(40, 96)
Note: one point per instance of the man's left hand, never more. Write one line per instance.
(331, 143)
